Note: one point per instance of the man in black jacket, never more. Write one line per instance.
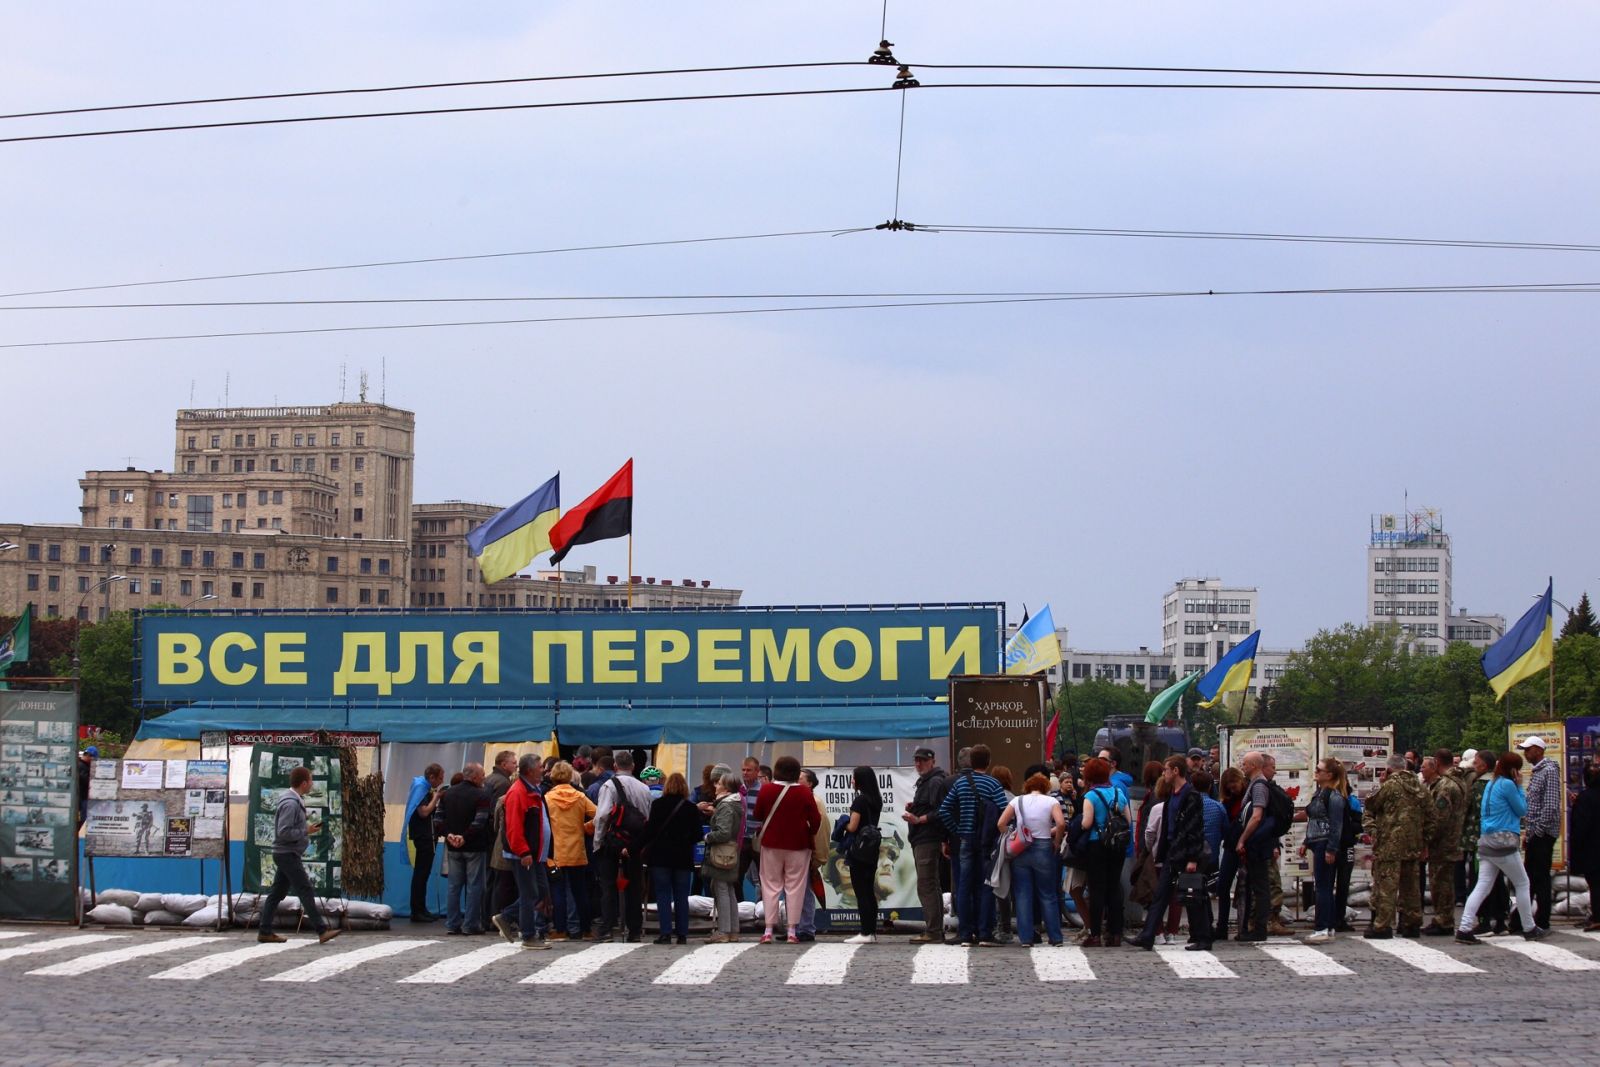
(1181, 849)
(927, 841)
(465, 813)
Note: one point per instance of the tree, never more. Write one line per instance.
(106, 674)
(1085, 707)
(1486, 725)
(1352, 674)
(1444, 686)
(1581, 620)
(1577, 667)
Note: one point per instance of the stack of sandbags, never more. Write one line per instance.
(124, 907)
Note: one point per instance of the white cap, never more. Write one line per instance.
(1468, 756)
(1533, 742)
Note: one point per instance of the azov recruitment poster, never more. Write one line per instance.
(897, 868)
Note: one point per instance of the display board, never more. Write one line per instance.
(174, 808)
(38, 806)
(1004, 712)
(270, 767)
(897, 867)
(1364, 752)
(1554, 735)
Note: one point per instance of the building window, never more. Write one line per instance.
(185, 587)
(361, 438)
(332, 594)
(360, 489)
(333, 564)
(258, 590)
(272, 440)
(383, 596)
(361, 462)
(383, 566)
(216, 440)
(238, 466)
(208, 558)
(214, 466)
(364, 595)
(311, 440)
(311, 464)
(135, 557)
(299, 464)
(191, 441)
(277, 496)
(277, 524)
(258, 561)
(33, 583)
(250, 466)
(208, 588)
(356, 513)
(157, 556)
(186, 557)
(188, 466)
(238, 590)
(238, 561)
(83, 584)
(238, 440)
(52, 553)
(155, 587)
(250, 440)
(272, 464)
(366, 564)
(333, 463)
(133, 585)
(111, 496)
(53, 583)
(299, 440)
(227, 525)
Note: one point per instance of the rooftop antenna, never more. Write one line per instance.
(191, 392)
(383, 380)
(342, 368)
(363, 393)
(227, 388)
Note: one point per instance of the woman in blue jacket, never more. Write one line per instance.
(1499, 838)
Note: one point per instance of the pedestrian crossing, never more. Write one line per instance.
(430, 962)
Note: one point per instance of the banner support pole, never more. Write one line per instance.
(630, 568)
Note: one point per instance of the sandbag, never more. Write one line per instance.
(367, 924)
(185, 903)
(162, 918)
(113, 914)
(206, 916)
(701, 907)
(366, 909)
(749, 910)
(126, 898)
(148, 902)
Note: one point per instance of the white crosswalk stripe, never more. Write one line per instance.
(458, 967)
(822, 965)
(328, 966)
(1305, 960)
(98, 961)
(1068, 963)
(217, 962)
(940, 965)
(7, 935)
(1547, 954)
(702, 965)
(574, 968)
(57, 943)
(1186, 964)
(1423, 958)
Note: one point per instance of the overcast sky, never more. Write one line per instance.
(1084, 454)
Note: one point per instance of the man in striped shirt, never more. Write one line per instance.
(1541, 826)
(972, 848)
(750, 771)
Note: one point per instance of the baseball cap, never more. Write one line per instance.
(923, 753)
(1468, 756)
(1197, 753)
(1533, 742)
(92, 750)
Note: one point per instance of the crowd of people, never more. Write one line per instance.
(545, 850)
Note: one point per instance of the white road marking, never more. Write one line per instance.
(458, 967)
(703, 964)
(1186, 964)
(1068, 963)
(328, 966)
(822, 965)
(1423, 958)
(218, 962)
(940, 965)
(98, 961)
(1547, 954)
(61, 942)
(1305, 960)
(1592, 935)
(6, 935)
(574, 968)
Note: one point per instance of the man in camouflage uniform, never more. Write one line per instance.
(1449, 802)
(1402, 820)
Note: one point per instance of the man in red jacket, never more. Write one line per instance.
(528, 847)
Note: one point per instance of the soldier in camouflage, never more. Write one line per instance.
(1402, 821)
(1449, 802)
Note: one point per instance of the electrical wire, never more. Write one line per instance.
(1226, 235)
(412, 262)
(779, 93)
(1252, 70)
(1547, 288)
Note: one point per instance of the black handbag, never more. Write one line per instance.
(1192, 887)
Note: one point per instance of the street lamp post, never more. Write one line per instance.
(77, 618)
(199, 600)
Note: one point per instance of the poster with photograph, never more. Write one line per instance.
(143, 773)
(38, 806)
(126, 828)
(1363, 753)
(206, 774)
(272, 765)
(180, 832)
(141, 822)
(897, 870)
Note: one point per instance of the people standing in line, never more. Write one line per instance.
(1036, 871)
(1102, 801)
(571, 823)
(1181, 849)
(1583, 841)
(1402, 821)
(1002, 903)
(1449, 802)
(1075, 873)
(421, 802)
(821, 846)
(291, 833)
(725, 835)
(527, 826)
(1325, 816)
(789, 818)
(1258, 840)
(1492, 913)
(750, 789)
(1501, 828)
(670, 834)
(85, 769)
(465, 811)
(861, 841)
(927, 839)
(1159, 917)
(1276, 927)
(502, 882)
(496, 782)
(623, 800)
(1546, 797)
(1231, 787)
(968, 794)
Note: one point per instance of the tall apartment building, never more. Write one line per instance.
(1201, 621)
(1409, 575)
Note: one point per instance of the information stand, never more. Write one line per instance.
(161, 809)
(270, 767)
(39, 807)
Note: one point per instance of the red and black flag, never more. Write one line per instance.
(606, 513)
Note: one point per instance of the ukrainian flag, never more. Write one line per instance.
(1034, 647)
(509, 541)
(1232, 672)
(1525, 650)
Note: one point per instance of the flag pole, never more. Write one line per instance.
(630, 567)
(1552, 667)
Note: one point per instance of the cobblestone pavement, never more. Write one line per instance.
(158, 997)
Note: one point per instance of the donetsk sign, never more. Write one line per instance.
(701, 656)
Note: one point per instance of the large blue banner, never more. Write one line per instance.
(712, 656)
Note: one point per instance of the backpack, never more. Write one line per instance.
(864, 845)
(1280, 808)
(626, 827)
(1351, 830)
(986, 820)
(1114, 832)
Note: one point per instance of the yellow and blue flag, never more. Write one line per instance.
(509, 541)
(1525, 650)
(1231, 674)
(1034, 647)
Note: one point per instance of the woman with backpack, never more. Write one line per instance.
(1035, 873)
(1106, 819)
(670, 835)
(1325, 818)
(1499, 842)
(862, 839)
